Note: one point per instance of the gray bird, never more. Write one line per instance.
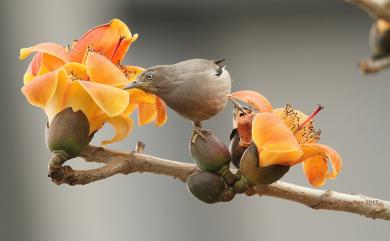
(196, 89)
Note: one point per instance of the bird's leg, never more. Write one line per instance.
(198, 132)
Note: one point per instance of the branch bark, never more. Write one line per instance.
(375, 8)
(116, 162)
(371, 66)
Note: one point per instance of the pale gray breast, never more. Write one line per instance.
(200, 94)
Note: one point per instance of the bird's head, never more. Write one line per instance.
(152, 80)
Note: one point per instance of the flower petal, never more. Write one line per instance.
(146, 113)
(138, 96)
(79, 71)
(130, 109)
(161, 109)
(122, 125)
(274, 140)
(42, 63)
(49, 48)
(327, 153)
(315, 169)
(254, 99)
(112, 39)
(111, 100)
(41, 89)
(33, 68)
(56, 103)
(102, 70)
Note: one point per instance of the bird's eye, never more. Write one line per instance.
(149, 76)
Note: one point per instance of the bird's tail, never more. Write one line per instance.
(218, 62)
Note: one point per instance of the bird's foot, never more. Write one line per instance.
(199, 132)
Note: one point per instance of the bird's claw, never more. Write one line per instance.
(199, 132)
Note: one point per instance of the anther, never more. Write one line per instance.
(316, 111)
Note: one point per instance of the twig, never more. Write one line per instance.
(371, 66)
(126, 163)
(375, 8)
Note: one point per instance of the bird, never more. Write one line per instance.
(197, 89)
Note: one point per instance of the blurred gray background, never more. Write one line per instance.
(298, 52)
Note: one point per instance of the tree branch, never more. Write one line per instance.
(116, 162)
(375, 8)
(371, 66)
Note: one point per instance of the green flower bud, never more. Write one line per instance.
(253, 174)
(210, 154)
(206, 186)
(68, 133)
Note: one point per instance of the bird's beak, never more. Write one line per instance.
(132, 85)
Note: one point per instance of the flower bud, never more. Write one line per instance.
(235, 149)
(206, 186)
(228, 194)
(68, 133)
(210, 154)
(253, 174)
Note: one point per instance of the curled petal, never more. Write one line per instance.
(315, 169)
(49, 48)
(146, 113)
(33, 68)
(111, 100)
(42, 63)
(254, 99)
(161, 116)
(122, 125)
(41, 89)
(274, 140)
(79, 71)
(112, 39)
(138, 96)
(102, 70)
(315, 150)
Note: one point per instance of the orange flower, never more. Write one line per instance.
(287, 136)
(89, 77)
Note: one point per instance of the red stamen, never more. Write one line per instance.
(317, 110)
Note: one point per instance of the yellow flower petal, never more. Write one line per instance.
(254, 99)
(161, 109)
(102, 70)
(41, 89)
(111, 100)
(122, 125)
(79, 71)
(275, 142)
(48, 48)
(112, 39)
(146, 113)
(315, 169)
(56, 103)
(130, 109)
(138, 96)
(327, 153)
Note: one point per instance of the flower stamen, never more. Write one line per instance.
(316, 111)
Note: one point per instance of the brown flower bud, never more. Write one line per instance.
(207, 187)
(210, 154)
(68, 133)
(254, 174)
